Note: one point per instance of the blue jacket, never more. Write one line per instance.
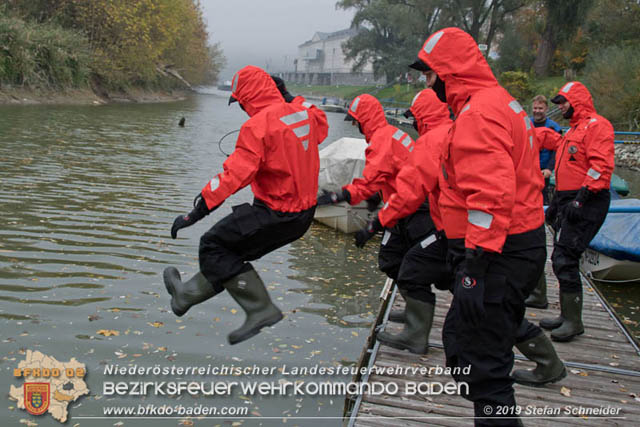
(547, 158)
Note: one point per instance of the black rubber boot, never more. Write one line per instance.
(187, 294)
(538, 297)
(248, 290)
(549, 368)
(397, 316)
(572, 326)
(415, 335)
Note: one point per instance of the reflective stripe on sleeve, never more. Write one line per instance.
(480, 219)
(214, 184)
(594, 174)
(515, 106)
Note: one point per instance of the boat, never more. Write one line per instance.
(341, 162)
(613, 255)
(332, 105)
(226, 86)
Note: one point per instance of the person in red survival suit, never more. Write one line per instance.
(277, 153)
(388, 150)
(425, 262)
(584, 164)
(496, 239)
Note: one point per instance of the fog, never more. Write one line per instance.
(267, 33)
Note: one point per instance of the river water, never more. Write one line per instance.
(88, 195)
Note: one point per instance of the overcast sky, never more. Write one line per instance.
(256, 31)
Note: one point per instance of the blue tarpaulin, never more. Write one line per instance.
(619, 236)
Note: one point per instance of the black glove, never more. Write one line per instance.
(469, 291)
(331, 198)
(373, 202)
(199, 211)
(575, 209)
(365, 234)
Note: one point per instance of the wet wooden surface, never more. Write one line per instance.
(603, 345)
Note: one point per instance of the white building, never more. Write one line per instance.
(321, 61)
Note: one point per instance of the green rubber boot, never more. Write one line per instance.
(538, 297)
(415, 335)
(187, 294)
(549, 368)
(398, 316)
(572, 326)
(248, 290)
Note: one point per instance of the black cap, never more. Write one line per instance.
(349, 118)
(232, 99)
(420, 65)
(408, 113)
(559, 99)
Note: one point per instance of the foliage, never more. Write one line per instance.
(42, 55)
(613, 22)
(616, 89)
(131, 40)
(392, 31)
(518, 84)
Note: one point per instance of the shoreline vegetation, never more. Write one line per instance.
(101, 51)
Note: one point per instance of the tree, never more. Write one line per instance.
(563, 18)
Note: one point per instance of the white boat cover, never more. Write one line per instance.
(340, 163)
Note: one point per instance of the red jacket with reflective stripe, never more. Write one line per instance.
(585, 155)
(387, 151)
(418, 178)
(491, 182)
(276, 151)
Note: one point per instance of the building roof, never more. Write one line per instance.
(320, 36)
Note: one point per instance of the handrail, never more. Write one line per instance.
(617, 209)
(618, 132)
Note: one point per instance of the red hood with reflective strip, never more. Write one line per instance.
(368, 111)
(429, 111)
(580, 99)
(254, 89)
(455, 57)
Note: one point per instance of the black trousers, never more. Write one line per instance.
(397, 240)
(248, 233)
(487, 347)
(425, 263)
(572, 238)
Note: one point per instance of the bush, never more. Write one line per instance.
(518, 84)
(42, 55)
(613, 78)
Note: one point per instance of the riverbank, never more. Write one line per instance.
(628, 155)
(24, 96)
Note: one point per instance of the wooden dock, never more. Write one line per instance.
(603, 367)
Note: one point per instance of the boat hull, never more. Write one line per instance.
(603, 268)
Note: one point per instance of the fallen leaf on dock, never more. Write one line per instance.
(108, 332)
(565, 391)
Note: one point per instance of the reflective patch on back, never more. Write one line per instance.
(398, 134)
(294, 118)
(516, 107)
(407, 141)
(433, 41)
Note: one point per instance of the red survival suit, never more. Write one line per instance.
(277, 153)
(584, 159)
(389, 150)
(490, 163)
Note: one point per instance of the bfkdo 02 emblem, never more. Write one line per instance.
(36, 398)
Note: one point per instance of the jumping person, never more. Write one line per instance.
(583, 175)
(496, 239)
(277, 154)
(425, 262)
(388, 150)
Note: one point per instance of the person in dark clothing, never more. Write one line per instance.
(583, 177)
(277, 154)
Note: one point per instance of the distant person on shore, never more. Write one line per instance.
(583, 175)
(388, 150)
(539, 107)
(277, 154)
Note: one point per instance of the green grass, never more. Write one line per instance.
(398, 95)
